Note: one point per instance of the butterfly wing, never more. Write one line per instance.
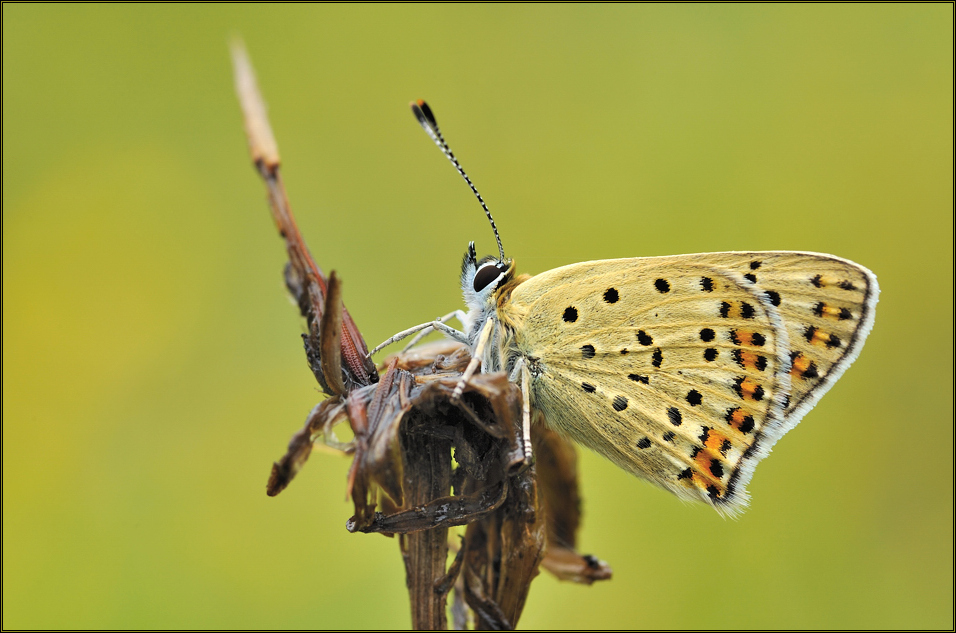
(685, 370)
(827, 305)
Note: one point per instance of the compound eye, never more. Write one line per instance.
(487, 274)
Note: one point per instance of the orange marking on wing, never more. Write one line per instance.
(800, 364)
(737, 418)
(700, 481)
(748, 360)
(749, 387)
(819, 338)
(715, 440)
(704, 480)
(703, 460)
(833, 313)
(745, 338)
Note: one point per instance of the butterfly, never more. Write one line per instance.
(682, 370)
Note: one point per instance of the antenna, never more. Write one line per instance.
(427, 120)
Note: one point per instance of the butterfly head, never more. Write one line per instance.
(480, 278)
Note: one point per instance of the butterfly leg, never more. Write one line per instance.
(520, 372)
(457, 314)
(476, 355)
(461, 337)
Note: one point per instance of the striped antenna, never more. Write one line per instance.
(427, 120)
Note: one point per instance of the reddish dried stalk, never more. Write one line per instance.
(405, 428)
(302, 272)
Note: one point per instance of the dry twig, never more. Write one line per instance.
(407, 430)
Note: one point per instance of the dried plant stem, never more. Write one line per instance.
(406, 424)
(426, 552)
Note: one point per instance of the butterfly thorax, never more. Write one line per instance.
(507, 316)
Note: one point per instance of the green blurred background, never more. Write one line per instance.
(152, 367)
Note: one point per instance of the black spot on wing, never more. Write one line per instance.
(588, 387)
(737, 355)
(610, 295)
(746, 421)
(638, 378)
(738, 389)
(752, 278)
(673, 414)
(710, 354)
(694, 397)
(754, 265)
(774, 297)
(620, 403)
(746, 310)
(724, 309)
(716, 468)
(758, 339)
(643, 443)
(570, 314)
(818, 308)
(817, 281)
(834, 341)
(662, 286)
(657, 358)
(809, 332)
(643, 338)
(668, 437)
(847, 285)
(706, 284)
(587, 351)
(845, 314)
(684, 474)
(707, 335)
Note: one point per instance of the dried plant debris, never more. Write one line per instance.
(425, 461)
(303, 277)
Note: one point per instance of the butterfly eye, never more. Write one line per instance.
(487, 274)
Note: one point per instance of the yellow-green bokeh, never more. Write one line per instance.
(152, 367)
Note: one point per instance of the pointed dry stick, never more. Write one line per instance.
(265, 155)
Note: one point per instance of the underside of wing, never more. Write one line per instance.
(685, 370)
(671, 368)
(827, 305)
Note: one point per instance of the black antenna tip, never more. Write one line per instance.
(423, 113)
(427, 120)
(417, 111)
